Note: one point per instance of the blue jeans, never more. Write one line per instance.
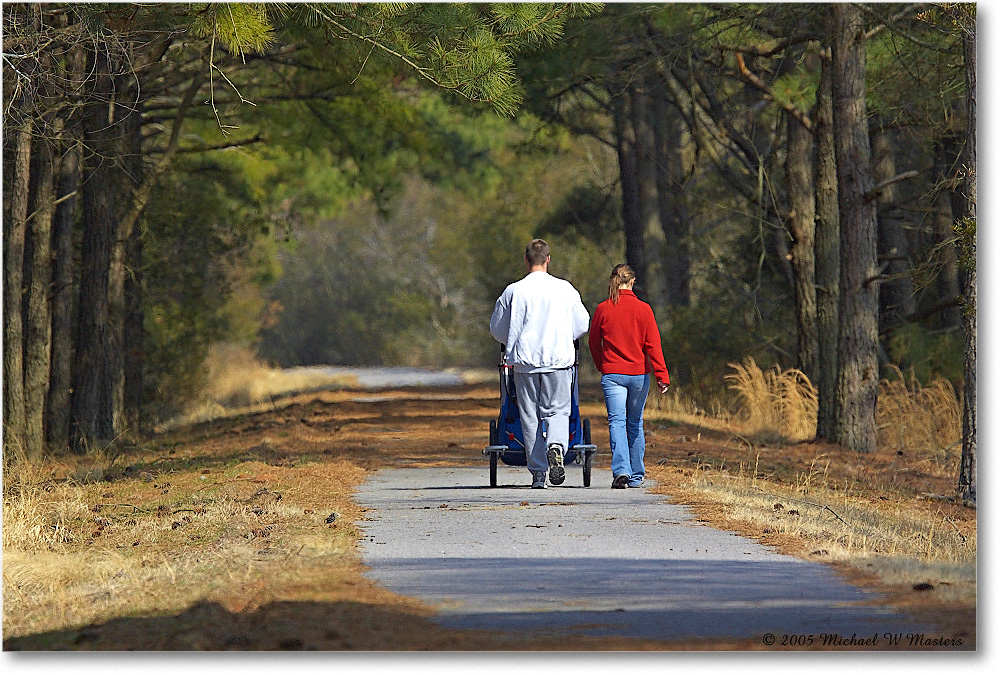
(625, 397)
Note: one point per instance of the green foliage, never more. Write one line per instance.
(206, 255)
(464, 48)
(928, 354)
(700, 342)
(965, 232)
(913, 75)
(742, 25)
(407, 211)
(589, 211)
(395, 293)
(957, 16)
(241, 27)
(334, 313)
(341, 139)
(797, 88)
(415, 281)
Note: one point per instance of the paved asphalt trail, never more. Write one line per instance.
(593, 561)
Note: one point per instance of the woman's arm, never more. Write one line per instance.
(596, 339)
(654, 351)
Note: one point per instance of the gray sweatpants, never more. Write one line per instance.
(543, 397)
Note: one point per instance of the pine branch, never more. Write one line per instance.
(764, 88)
(779, 46)
(141, 195)
(461, 87)
(209, 148)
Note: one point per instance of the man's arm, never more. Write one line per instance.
(500, 321)
(581, 317)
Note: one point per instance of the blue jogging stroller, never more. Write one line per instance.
(507, 439)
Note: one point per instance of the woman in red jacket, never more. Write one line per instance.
(625, 346)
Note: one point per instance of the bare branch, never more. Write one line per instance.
(209, 148)
(778, 47)
(141, 196)
(874, 192)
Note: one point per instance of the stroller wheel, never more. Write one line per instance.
(493, 456)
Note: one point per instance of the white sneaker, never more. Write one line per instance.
(557, 473)
(538, 481)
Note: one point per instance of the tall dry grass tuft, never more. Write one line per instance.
(777, 407)
(236, 377)
(780, 407)
(238, 381)
(919, 420)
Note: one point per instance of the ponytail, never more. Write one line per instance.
(621, 276)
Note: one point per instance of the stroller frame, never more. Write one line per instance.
(507, 438)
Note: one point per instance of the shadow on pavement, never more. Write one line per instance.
(651, 599)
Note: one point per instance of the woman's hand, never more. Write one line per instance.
(663, 386)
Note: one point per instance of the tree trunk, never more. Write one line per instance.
(896, 298)
(967, 472)
(948, 282)
(38, 327)
(645, 164)
(132, 314)
(61, 377)
(92, 418)
(827, 254)
(13, 266)
(116, 278)
(802, 222)
(857, 382)
(675, 218)
(635, 241)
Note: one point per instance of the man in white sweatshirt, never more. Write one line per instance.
(538, 318)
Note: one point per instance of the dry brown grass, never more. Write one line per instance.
(924, 420)
(676, 408)
(777, 406)
(239, 382)
(203, 537)
(151, 541)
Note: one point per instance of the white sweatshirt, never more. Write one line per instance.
(538, 318)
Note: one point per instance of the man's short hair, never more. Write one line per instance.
(537, 252)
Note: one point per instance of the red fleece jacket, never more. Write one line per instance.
(625, 340)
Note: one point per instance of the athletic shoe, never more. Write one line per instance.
(620, 482)
(538, 481)
(635, 483)
(557, 473)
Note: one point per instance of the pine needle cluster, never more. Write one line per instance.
(243, 28)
